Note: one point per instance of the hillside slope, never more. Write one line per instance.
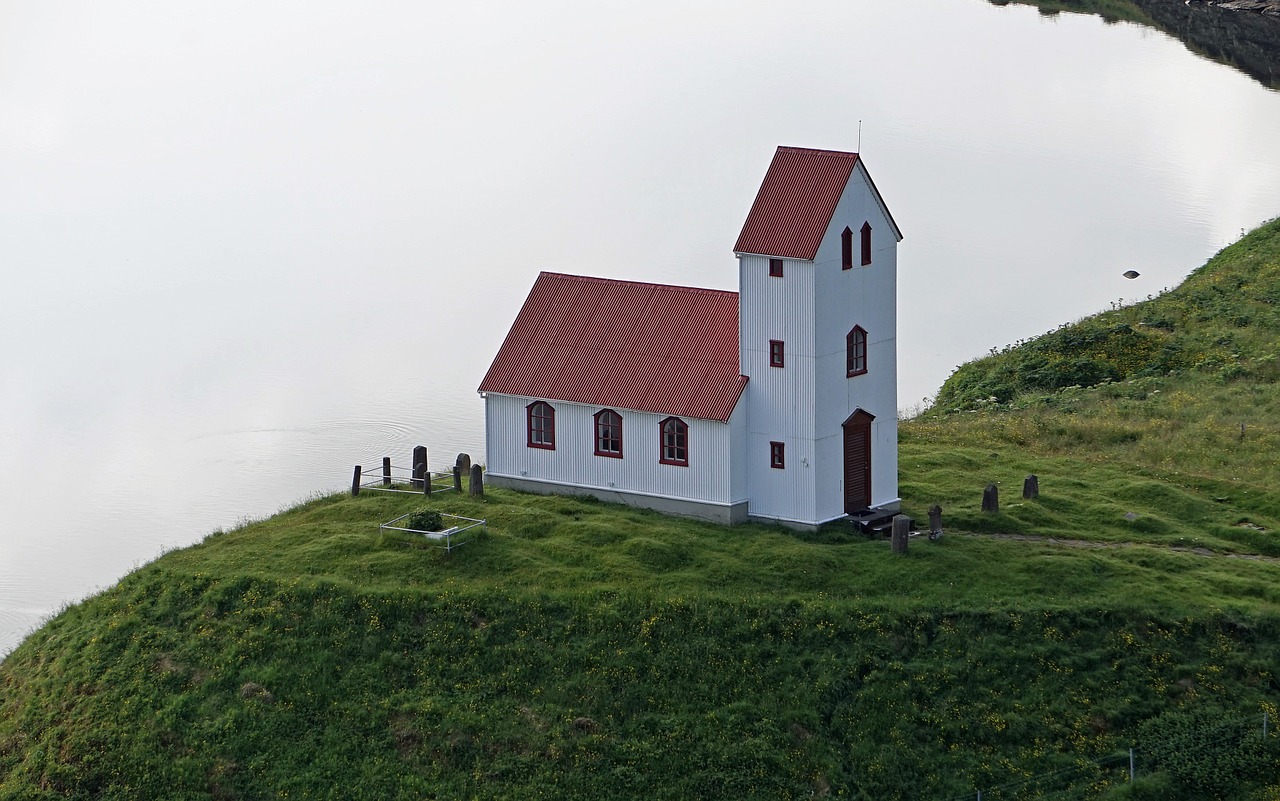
(584, 650)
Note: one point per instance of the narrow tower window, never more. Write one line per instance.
(846, 249)
(778, 455)
(866, 244)
(856, 351)
(777, 354)
(775, 268)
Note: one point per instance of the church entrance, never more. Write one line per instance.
(857, 462)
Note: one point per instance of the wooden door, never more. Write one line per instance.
(857, 462)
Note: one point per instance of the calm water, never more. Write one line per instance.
(246, 246)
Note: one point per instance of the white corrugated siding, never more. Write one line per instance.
(780, 399)
(707, 478)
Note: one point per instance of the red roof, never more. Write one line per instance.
(670, 350)
(794, 205)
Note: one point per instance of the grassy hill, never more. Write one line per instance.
(584, 650)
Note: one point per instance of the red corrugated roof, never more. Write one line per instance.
(670, 350)
(795, 203)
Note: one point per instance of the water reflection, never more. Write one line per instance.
(1247, 39)
(244, 250)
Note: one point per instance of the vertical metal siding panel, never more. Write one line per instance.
(781, 400)
(574, 460)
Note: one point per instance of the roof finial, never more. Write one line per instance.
(859, 136)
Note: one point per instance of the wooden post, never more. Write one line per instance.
(477, 480)
(991, 499)
(901, 531)
(457, 478)
(464, 463)
(935, 522)
(386, 471)
(426, 481)
(419, 465)
(1031, 486)
(355, 483)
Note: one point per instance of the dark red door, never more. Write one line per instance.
(857, 462)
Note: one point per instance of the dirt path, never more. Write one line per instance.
(1115, 545)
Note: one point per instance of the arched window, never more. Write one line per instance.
(674, 442)
(846, 249)
(855, 345)
(866, 244)
(608, 433)
(542, 425)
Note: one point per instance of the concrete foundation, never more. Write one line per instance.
(726, 514)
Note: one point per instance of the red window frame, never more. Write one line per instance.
(866, 244)
(846, 248)
(673, 442)
(777, 353)
(608, 433)
(855, 345)
(541, 425)
(778, 455)
(775, 268)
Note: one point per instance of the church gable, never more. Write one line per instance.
(796, 201)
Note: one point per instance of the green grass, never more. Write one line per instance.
(578, 649)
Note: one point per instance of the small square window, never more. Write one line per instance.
(775, 268)
(777, 354)
(778, 455)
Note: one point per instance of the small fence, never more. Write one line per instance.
(419, 479)
(455, 536)
(396, 478)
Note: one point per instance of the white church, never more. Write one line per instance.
(777, 402)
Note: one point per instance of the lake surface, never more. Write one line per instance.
(246, 246)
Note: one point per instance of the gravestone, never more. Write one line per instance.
(991, 499)
(464, 463)
(457, 478)
(901, 532)
(935, 522)
(477, 480)
(419, 465)
(1031, 486)
(386, 471)
(355, 483)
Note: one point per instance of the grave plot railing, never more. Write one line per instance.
(395, 478)
(455, 535)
